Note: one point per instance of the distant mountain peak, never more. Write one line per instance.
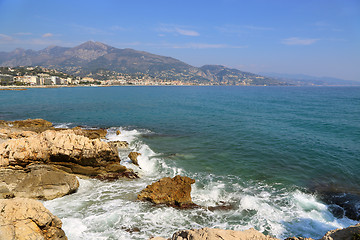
(19, 50)
(91, 45)
(102, 61)
(51, 47)
(89, 50)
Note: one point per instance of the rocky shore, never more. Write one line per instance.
(23, 218)
(40, 162)
(350, 233)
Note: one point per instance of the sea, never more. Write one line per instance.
(264, 152)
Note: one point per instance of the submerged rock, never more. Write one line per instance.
(170, 191)
(342, 204)
(221, 207)
(349, 233)
(133, 157)
(217, 234)
(343, 200)
(28, 219)
(36, 181)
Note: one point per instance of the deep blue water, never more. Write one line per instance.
(295, 135)
(284, 137)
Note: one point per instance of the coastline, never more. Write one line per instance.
(141, 161)
(4, 88)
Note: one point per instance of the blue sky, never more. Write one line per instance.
(318, 37)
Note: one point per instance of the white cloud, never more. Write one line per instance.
(299, 41)
(178, 46)
(186, 32)
(181, 30)
(11, 42)
(4, 37)
(201, 46)
(46, 35)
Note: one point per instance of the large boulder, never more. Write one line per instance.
(170, 191)
(349, 233)
(36, 181)
(218, 234)
(57, 146)
(28, 219)
(71, 152)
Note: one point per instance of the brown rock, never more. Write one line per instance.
(75, 153)
(171, 191)
(28, 219)
(133, 157)
(36, 181)
(35, 125)
(9, 133)
(13, 89)
(119, 144)
(57, 146)
(132, 230)
(90, 133)
(118, 132)
(111, 176)
(77, 169)
(349, 233)
(218, 234)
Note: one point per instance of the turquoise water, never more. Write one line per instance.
(261, 149)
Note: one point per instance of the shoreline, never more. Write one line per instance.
(0, 143)
(17, 88)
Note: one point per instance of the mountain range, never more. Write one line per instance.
(102, 61)
(307, 80)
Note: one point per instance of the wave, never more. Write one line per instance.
(109, 210)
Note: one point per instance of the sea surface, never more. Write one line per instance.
(262, 150)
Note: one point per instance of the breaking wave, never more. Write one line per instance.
(109, 210)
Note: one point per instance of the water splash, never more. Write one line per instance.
(109, 210)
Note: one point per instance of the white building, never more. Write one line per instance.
(30, 79)
(54, 80)
(42, 78)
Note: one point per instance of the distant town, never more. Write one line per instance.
(41, 76)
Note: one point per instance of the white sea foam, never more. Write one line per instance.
(62, 125)
(109, 210)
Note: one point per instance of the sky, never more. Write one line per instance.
(313, 37)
